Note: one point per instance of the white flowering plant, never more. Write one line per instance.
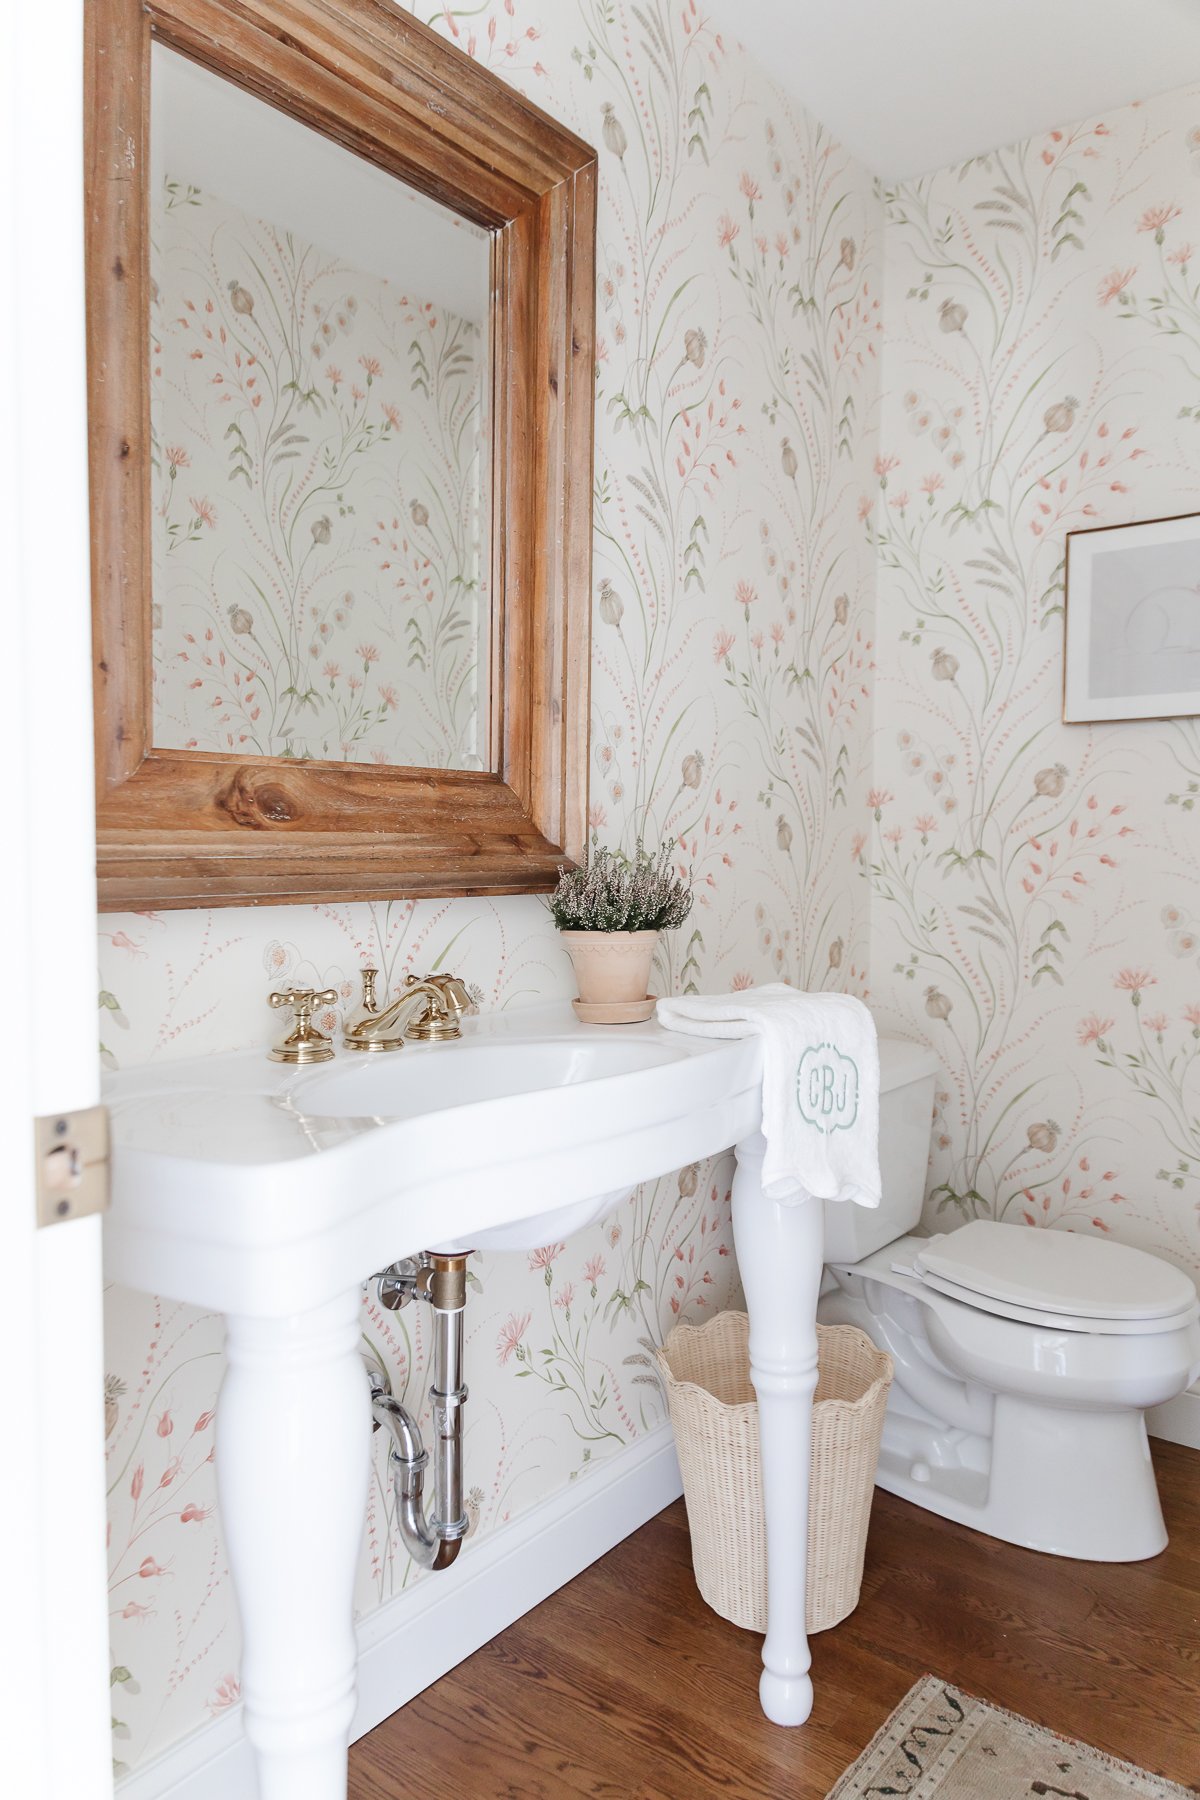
(615, 892)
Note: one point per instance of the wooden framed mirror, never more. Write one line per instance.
(341, 320)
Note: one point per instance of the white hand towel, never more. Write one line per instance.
(820, 1084)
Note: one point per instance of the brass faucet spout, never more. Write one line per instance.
(424, 1011)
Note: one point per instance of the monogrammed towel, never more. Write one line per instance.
(820, 1084)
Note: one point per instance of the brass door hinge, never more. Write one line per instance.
(72, 1165)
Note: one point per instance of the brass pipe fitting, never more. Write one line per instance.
(448, 1282)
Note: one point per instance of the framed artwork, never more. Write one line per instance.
(1132, 604)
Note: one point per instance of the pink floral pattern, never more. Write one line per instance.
(1034, 884)
(319, 583)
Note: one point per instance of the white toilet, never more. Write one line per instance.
(1024, 1359)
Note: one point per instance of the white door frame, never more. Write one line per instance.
(54, 1667)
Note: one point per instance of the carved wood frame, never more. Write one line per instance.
(185, 828)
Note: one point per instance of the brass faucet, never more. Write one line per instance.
(424, 1012)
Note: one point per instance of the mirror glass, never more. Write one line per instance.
(320, 398)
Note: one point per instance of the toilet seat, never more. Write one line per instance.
(1057, 1280)
(1053, 1321)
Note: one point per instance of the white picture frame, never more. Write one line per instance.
(1132, 622)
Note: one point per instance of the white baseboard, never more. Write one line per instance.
(1179, 1420)
(415, 1638)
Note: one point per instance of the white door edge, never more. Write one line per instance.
(53, 1648)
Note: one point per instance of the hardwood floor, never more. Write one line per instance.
(624, 1686)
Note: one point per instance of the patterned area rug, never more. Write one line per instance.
(944, 1743)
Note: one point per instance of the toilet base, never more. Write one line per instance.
(1069, 1481)
(1077, 1484)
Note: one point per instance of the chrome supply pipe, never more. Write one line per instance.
(448, 1394)
(431, 1540)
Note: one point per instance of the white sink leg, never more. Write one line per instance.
(293, 1459)
(779, 1250)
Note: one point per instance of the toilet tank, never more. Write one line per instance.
(907, 1074)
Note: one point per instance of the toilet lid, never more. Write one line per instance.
(1056, 1272)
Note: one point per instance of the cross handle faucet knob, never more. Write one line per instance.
(304, 1043)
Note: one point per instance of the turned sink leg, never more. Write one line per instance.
(293, 1459)
(779, 1250)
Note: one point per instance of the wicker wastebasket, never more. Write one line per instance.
(713, 1410)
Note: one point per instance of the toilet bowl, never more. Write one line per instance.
(1025, 1359)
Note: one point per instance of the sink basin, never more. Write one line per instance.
(441, 1077)
(256, 1189)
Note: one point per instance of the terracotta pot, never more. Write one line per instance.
(612, 971)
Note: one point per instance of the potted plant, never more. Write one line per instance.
(610, 913)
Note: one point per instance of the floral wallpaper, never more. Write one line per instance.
(320, 587)
(1036, 887)
(737, 372)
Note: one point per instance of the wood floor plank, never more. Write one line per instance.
(625, 1686)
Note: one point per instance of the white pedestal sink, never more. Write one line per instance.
(271, 1195)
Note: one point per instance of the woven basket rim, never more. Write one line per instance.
(867, 1398)
(880, 1361)
(737, 1408)
(728, 1314)
(736, 1315)
(680, 1383)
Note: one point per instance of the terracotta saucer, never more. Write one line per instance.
(615, 1012)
